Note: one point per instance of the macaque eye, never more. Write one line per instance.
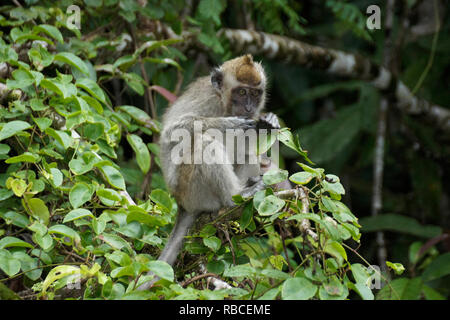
(255, 93)
(242, 92)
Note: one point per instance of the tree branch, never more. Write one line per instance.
(234, 213)
(338, 63)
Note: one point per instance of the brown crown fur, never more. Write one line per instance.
(243, 69)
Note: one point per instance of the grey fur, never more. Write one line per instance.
(203, 187)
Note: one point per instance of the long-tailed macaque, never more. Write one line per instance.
(232, 97)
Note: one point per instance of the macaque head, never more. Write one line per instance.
(241, 85)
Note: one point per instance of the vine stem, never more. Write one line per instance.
(40, 267)
(432, 53)
(370, 266)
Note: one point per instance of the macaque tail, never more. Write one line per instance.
(173, 246)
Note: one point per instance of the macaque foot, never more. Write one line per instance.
(250, 191)
(268, 121)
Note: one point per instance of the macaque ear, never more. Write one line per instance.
(217, 79)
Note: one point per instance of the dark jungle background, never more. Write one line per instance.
(336, 116)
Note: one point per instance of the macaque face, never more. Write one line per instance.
(245, 101)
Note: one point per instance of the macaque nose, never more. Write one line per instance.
(248, 107)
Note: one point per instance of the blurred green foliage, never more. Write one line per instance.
(61, 195)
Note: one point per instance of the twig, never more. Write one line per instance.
(433, 50)
(198, 277)
(227, 236)
(283, 242)
(215, 281)
(378, 163)
(305, 226)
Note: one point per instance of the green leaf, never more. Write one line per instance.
(151, 45)
(8, 263)
(287, 138)
(92, 87)
(333, 290)
(207, 231)
(123, 272)
(162, 269)
(265, 142)
(82, 164)
(140, 116)
(363, 281)
(63, 138)
(43, 123)
(213, 243)
(339, 210)
(135, 83)
(398, 223)
(24, 157)
(4, 149)
(65, 231)
(360, 273)
(247, 215)
(114, 241)
(277, 261)
(317, 172)
(18, 186)
(37, 104)
(93, 103)
(109, 194)
(113, 176)
(79, 194)
(77, 214)
(106, 148)
(12, 128)
(5, 194)
(438, 268)
(162, 198)
(329, 226)
(22, 79)
(44, 241)
(363, 290)
(240, 271)
(57, 176)
(40, 58)
(431, 294)
(15, 218)
(271, 294)
(163, 61)
(28, 265)
(126, 61)
(141, 150)
(216, 267)
(65, 90)
(37, 209)
(211, 9)
(337, 250)
(146, 218)
(397, 267)
(334, 186)
(401, 289)
(57, 273)
(274, 176)
(270, 205)
(275, 274)
(298, 289)
(302, 177)
(13, 242)
(131, 230)
(50, 31)
(119, 257)
(73, 61)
